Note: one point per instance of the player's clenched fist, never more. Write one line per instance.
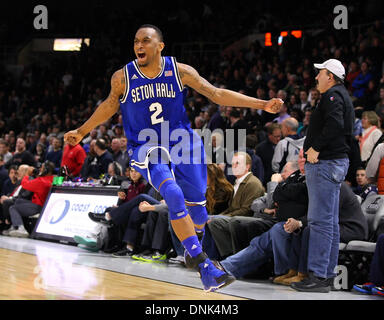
(273, 105)
(73, 137)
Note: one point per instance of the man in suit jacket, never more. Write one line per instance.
(246, 189)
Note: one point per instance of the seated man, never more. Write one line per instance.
(291, 213)
(244, 229)
(12, 182)
(40, 187)
(363, 188)
(3, 171)
(104, 158)
(247, 188)
(8, 200)
(56, 154)
(288, 148)
(90, 165)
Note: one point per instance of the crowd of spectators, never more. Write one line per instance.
(50, 99)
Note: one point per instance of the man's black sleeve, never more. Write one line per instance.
(333, 110)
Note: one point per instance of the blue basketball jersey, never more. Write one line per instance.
(149, 102)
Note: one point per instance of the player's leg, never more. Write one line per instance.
(161, 176)
(158, 170)
(192, 179)
(192, 182)
(162, 179)
(191, 176)
(183, 226)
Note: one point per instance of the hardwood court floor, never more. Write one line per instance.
(24, 277)
(42, 270)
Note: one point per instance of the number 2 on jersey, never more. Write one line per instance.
(156, 108)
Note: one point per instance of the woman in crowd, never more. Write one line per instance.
(371, 134)
(219, 190)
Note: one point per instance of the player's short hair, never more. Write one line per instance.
(158, 31)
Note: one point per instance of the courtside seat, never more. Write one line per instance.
(378, 219)
(361, 246)
(373, 210)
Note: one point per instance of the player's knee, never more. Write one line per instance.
(198, 214)
(173, 196)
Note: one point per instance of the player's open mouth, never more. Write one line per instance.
(141, 55)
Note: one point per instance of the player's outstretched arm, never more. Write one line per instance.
(104, 111)
(191, 78)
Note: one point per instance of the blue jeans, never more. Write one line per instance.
(128, 214)
(274, 243)
(299, 252)
(323, 181)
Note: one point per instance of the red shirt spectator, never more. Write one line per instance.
(39, 186)
(73, 158)
(352, 75)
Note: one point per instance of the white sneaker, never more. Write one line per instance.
(178, 259)
(19, 233)
(6, 232)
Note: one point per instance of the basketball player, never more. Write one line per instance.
(150, 92)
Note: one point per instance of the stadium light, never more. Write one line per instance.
(69, 44)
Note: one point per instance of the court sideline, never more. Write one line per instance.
(41, 270)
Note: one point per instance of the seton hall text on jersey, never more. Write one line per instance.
(152, 90)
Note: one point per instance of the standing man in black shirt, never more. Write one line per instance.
(326, 146)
